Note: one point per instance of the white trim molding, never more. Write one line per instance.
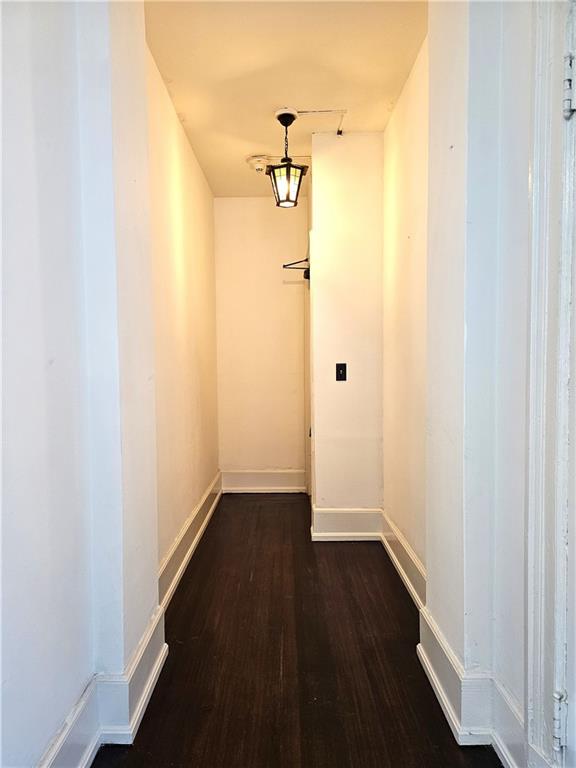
(550, 451)
(478, 708)
(123, 698)
(465, 697)
(409, 566)
(330, 524)
(78, 740)
(264, 481)
(508, 736)
(174, 564)
(111, 707)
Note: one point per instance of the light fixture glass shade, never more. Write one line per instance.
(286, 179)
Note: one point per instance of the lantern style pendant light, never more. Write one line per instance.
(286, 177)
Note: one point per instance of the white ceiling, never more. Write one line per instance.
(230, 65)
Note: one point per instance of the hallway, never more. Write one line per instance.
(286, 653)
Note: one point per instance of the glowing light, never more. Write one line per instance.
(286, 177)
(286, 180)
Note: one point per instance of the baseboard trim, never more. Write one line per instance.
(433, 679)
(79, 738)
(405, 560)
(121, 728)
(264, 481)
(509, 738)
(341, 536)
(465, 697)
(499, 721)
(111, 707)
(123, 697)
(329, 524)
(142, 703)
(174, 564)
(503, 753)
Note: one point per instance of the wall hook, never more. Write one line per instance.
(295, 265)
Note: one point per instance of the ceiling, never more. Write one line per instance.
(230, 65)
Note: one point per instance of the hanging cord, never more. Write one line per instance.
(286, 142)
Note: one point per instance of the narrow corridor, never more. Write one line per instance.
(285, 653)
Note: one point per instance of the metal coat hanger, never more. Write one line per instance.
(305, 262)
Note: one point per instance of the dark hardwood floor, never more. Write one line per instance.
(288, 654)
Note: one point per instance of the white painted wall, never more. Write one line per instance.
(404, 307)
(79, 560)
(135, 317)
(478, 332)
(462, 287)
(260, 311)
(462, 284)
(46, 620)
(495, 255)
(113, 127)
(104, 473)
(447, 38)
(346, 320)
(182, 219)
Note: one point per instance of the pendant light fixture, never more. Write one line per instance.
(286, 177)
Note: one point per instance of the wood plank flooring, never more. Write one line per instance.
(288, 654)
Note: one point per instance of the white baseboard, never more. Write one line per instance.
(175, 562)
(405, 560)
(508, 737)
(123, 698)
(346, 524)
(478, 709)
(264, 481)
(112, 706)
(78, 740)
(465, 697)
